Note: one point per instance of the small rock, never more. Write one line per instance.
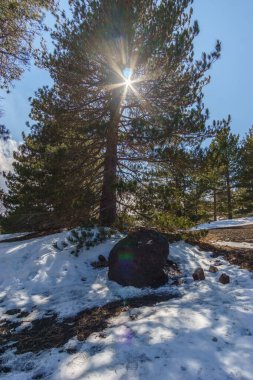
(99, 264)
(102, 259)
(213, 269)
(198, 274)
(215, 339)
(224, 279)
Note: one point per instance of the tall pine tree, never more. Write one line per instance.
(131, 65)
(246, 175)
(127, 86)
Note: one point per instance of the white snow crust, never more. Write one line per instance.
(225, 223)
(204, 334)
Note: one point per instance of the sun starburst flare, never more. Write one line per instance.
(126, 74)
(128, 81)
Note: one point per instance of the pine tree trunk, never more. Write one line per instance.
(229, 197)
(108, 202)
(214, 205)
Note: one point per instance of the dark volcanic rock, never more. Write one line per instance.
(138, 260)
(224, 279)
(101, 263)
(102, 259)
(198, 274)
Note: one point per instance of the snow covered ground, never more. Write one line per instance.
(10, 236)
(205, 334)
(36, 275)
(234, 244)
(225, 223)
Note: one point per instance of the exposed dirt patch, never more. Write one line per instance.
(49, 332)
(241, 234)
(242, 257)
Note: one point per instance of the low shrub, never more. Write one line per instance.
(81, 237)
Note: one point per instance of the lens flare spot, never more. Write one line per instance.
(126, 256)
(127, 72)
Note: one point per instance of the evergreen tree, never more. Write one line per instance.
(246, 175)
(4, 133)
(172, 193)
(52, 184)
(130, 65)
(211, 176)
(224, 154)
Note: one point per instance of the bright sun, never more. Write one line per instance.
(127, 73)
(128, 81)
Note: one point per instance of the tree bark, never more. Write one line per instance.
(214, 205)
(108, 208)
(229, 197)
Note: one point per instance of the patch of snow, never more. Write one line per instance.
(224, 223)
(234, 244)
(10, 236)
(206, 334)
(38, 275)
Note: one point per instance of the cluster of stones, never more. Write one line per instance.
(140, 258)
(199, 275)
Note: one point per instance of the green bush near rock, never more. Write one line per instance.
(80, 238)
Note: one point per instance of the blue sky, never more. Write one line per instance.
(230, 90)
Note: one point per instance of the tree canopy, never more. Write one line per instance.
(20, 21)
(120, 131)
(126, 71)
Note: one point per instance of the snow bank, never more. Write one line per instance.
(10, 236)
(37, 275)
(234, 244)
(206, 334)
(224, 223)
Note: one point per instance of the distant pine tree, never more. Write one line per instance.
(246, 175)
(225, 153)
